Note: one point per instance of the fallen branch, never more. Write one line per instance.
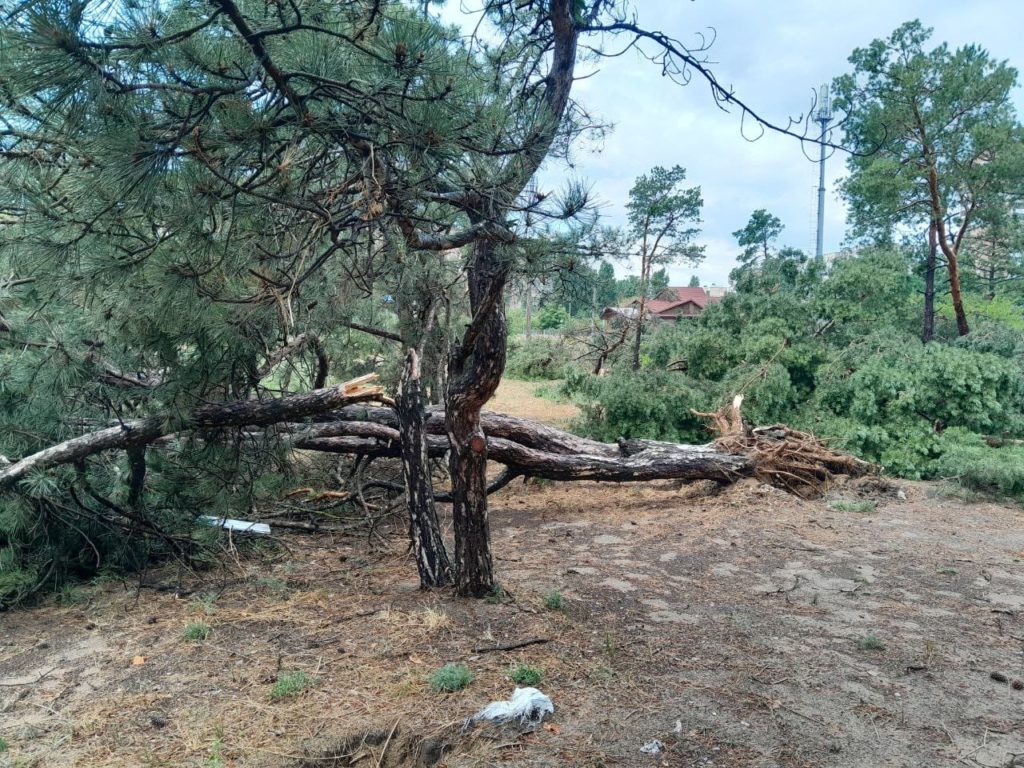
(139, 432)
(511, 646)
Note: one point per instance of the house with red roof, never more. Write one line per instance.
(670, 304)
(676, 302)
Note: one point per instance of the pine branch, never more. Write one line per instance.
(139, 432)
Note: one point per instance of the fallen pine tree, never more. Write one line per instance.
(356, 419)
(795, 461)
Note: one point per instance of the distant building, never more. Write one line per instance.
(670, 304)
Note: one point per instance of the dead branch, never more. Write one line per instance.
(138, 432)
(511, 646)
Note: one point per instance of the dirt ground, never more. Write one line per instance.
(520, 398)
(741, 628)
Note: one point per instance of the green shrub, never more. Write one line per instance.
(552, 316)
(981, 467)
(648, 404)
(450, 677)
(524, 674)
(536, 359)
(291, 684)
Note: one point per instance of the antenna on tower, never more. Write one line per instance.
(822, 116)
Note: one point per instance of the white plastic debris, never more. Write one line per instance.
(528, 706)
(652, 747)
(237, 526)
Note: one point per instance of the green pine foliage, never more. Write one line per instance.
(834, 352)
(539, 358)
(172, 217)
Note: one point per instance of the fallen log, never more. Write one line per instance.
(786, 458)
(792, 460)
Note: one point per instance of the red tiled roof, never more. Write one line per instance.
(696, 294)
(657, 306)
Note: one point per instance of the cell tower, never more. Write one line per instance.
(822, 116)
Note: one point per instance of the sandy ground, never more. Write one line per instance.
(741, 628)
(520, 398)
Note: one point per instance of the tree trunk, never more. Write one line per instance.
(424, 530)
(528, 448)
(928, 329)
(962, 328)
(639, 332)
(948, 250)
(474, 372)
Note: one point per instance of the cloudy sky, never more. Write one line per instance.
(773, 53)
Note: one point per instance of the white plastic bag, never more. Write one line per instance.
(527, 707)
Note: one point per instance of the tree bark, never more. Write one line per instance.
(928, 329)
(474, 371)
(475, 365)
(424, 530)
(141, 432)
(639, 333)
(948, 250)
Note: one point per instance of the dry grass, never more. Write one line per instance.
(520, 399)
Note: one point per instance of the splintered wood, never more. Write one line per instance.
(361, 386)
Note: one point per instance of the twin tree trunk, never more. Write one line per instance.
(474, 372)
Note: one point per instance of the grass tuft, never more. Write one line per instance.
(435, 619)
(496, 596)
(871, 643)
(450, 677)
(197, 631)
(862, 507)
(524, 674)
(553, 600)
(291, 684)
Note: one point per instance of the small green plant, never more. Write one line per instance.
(553, 600)
(3, 744)
(497, 595)
(450, 677)
(72, 594)
(871, 643)
(206, 602)
(197, 631)
(215, 759)
(291, 684)
(948, 571)
(524, 674)
(610, 648)
(276, 587)
(862, 507)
